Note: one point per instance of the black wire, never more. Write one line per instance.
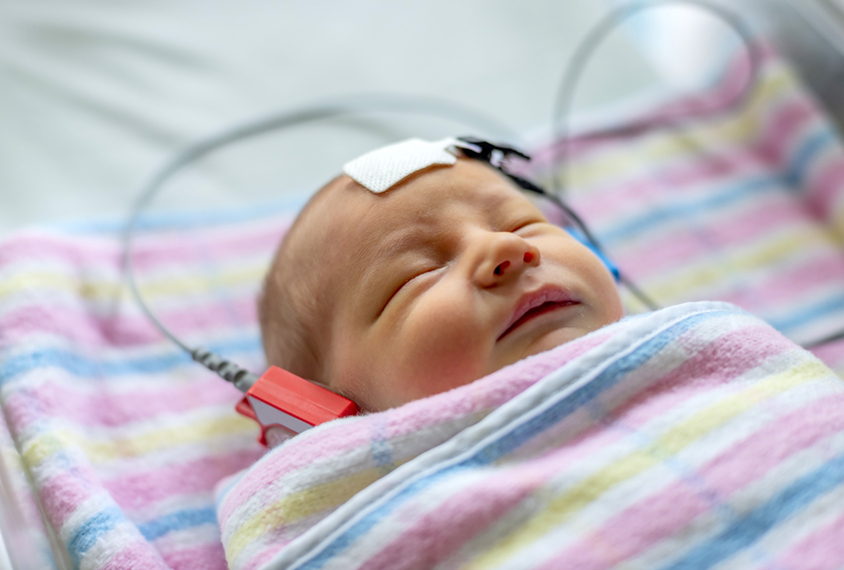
(833, 337)
(587, 233)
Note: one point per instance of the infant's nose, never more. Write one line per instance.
(507, 255)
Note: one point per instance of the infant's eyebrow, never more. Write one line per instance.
(386, 254)
(405, 240)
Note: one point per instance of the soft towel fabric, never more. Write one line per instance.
(692, 437)
(122, 438)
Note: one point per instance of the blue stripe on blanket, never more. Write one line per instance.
(688, 210)
(187, 220)
(494, 450)
(816, 311)
(180, 520)
(726, 195)
(91, 368)
(795, 174)
(747, 529)
(104, 521)
(91, 530)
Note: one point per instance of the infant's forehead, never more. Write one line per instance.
(385, 187)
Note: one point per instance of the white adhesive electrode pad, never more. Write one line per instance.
(382, 168)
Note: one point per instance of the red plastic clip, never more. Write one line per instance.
(280, 398)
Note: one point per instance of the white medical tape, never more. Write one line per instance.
(384, 167)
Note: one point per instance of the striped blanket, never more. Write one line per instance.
(689, 438)
(122, 437)
(745, 206)
(113, 441)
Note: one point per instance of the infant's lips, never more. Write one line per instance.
(535, 300)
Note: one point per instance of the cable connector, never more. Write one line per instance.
(226, 369)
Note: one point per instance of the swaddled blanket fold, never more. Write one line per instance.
(691, 437)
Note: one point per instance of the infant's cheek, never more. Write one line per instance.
(442, 351)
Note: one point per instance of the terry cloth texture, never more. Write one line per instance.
(122, 438)
(692, 437)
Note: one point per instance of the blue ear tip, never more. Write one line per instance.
(606, 261)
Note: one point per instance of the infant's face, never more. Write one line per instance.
(445, 278)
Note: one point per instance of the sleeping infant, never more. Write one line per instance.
(386, 292)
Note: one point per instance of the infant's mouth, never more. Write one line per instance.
(537, 304)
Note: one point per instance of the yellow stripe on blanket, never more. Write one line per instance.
(837, 222)
(574, 499)
(299, 505)
(94, 290)
(589, 171)
(52, 442)
(767, 253)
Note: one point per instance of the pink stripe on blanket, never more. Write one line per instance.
(827, 189)
(670, 509)
(604, 207)
(692, 177)
(140, 489)
(262, 557)
(750, 345)
(135, 555)
(645, 524)
(776, 141)
(758, 219)
(832, 354)
(298, 455)
(706, 365)
(428, 542)
(824, 271)
(209, 556)
(674, 246)
(711, 101)
(818, 551)
(84, 327)
(191, 249)
(776, 441)
(64, 492)
(119, 408)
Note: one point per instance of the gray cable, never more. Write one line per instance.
(571, 78)
(413, 105)
(596, 36)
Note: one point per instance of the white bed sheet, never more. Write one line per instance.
(95, 94)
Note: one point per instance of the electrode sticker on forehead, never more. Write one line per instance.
(383, 168)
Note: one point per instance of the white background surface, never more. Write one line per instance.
(95, 94)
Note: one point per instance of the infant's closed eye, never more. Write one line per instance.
(409, 282)
(526, 226)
